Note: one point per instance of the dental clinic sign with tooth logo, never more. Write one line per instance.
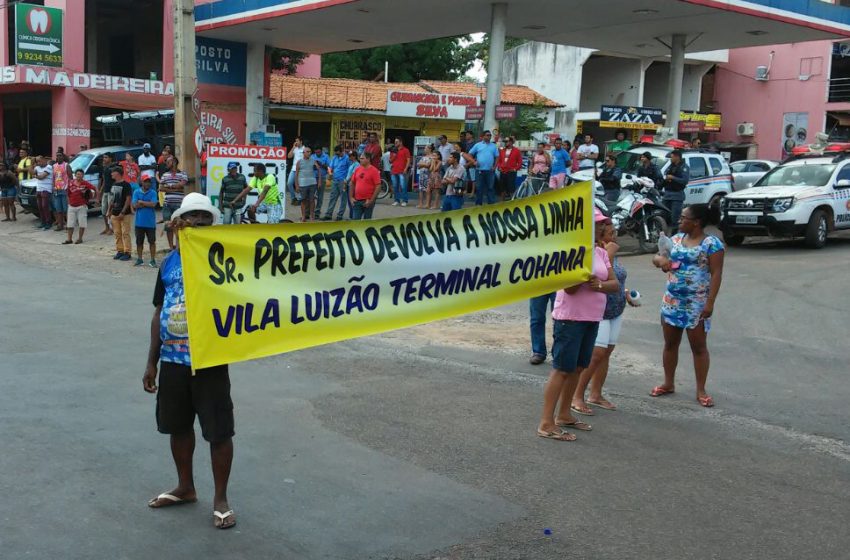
(38, 35)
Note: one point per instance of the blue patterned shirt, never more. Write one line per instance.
(169, 293)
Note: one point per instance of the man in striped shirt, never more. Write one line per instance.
(173, 184)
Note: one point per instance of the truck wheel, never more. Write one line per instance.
(733, 240)
(817, 230)
(715, 201)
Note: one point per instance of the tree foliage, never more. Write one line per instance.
(528, 121)
(286, 60)
(435, 59)
(481, 49)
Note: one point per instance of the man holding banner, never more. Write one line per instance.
(183, 391)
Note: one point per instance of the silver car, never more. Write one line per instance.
(747, 171)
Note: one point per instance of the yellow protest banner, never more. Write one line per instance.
(255, 291)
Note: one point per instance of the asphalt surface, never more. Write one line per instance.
(420, 444)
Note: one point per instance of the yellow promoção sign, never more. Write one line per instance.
(255, 291)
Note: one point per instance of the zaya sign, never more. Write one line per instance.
(429, 105)
(267, 289)
(634, 118)
(38, 35)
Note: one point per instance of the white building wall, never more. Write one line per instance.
(554, 71)
(607, 80)
(655, 91)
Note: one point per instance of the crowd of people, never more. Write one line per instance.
(588, 320)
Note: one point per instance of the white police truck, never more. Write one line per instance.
(806, 196)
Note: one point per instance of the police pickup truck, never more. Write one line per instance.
(711, 178)
(807, 196)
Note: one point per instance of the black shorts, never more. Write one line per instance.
(142, 232)
(182, 395)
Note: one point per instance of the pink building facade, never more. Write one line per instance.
(788, 93)
(108, 67)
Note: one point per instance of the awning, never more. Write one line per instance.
(127, 100)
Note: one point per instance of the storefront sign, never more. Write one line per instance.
(506, 112)
(80, 80)
(475, 113)
(222, 125)
(700, 122)
(219, 155)
(59, 130)
(627, 117)
(352, 131)
(503, 112)
(38, 35)
(264, 290)
(222, 63)
(429, 105)
(266, 138)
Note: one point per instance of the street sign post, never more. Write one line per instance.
(38, 35)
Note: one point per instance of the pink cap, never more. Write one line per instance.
(598, 216)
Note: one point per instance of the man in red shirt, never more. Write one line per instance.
(510, 161)
(365, 185)
(80, 192)
(374, 151)
(400, 160)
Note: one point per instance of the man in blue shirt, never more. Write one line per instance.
(338, 170)
(483, 156)
(320, 157)
(560, 163)
(144, 203)
(182, 394)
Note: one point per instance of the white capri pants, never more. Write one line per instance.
(78, 216)
(609, 332)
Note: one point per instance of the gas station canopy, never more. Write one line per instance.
(637, 28)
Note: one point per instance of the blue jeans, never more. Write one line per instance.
(360, 212)
(337, 193)
(675, 207)
(537, 309)
(290, 186)
(612, 194)
(320, 194)
(486, 179)
(452, 202)
(60, 201)
(399, 187)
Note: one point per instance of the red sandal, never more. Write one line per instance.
(706, 401)
(660, 391)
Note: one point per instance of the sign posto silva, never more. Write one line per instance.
(38, 35)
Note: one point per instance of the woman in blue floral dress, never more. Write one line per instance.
(694, 272)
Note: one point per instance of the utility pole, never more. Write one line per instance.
(185, 84)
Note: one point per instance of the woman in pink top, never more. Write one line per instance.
(577, 313)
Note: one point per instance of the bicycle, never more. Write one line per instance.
(532, 186)
(385, 189)
(262, 217)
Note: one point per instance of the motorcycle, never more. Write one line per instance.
(639, 212)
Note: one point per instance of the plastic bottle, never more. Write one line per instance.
(665, 245)
(635, 297)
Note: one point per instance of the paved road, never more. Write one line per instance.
(404, 446)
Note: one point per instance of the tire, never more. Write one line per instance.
(817, 230)
(385, 189)
(714, 203)
(732, 240)
(656, 225)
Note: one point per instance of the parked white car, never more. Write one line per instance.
(808, 196)
(711, 178)
(747, 171)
